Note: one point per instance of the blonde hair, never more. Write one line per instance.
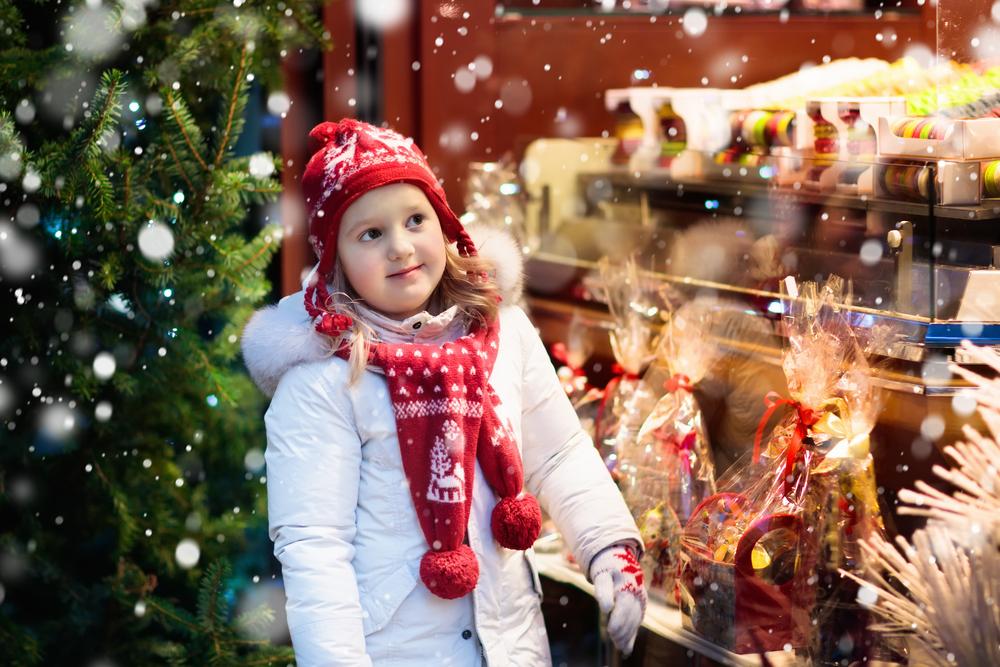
(467, 282)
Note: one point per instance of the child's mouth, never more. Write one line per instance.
(405, 272)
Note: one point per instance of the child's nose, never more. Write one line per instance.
(399, 247)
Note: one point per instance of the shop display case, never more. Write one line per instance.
(638, 136)
(895, 193)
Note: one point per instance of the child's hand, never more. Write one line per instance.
(619, 590)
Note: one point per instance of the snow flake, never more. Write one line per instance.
(156, 241)
(104, 365)
(187, 553)
(381, 15)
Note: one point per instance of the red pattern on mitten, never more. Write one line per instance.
(620, 592)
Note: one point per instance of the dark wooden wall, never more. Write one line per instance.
(551, 73)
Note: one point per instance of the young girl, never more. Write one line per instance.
(415, 418)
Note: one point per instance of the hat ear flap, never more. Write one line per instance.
(466, 248)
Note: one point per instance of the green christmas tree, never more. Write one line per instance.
(131, 468)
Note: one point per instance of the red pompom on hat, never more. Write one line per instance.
(356, 157)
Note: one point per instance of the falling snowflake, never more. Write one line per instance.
(104, 365)
(19, 256)
(57, 421)
(90, 32)
(261, 165)
(465, 79)
(187, 553)
(278, 103)
(24, 112)
(6, 397)
(254, 460)
(102, 412)
(382, 14)
(28, 215)
(156, 241)
(515, 96)
(695, 22)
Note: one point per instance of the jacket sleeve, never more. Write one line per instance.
(561, 466)
(313, 461)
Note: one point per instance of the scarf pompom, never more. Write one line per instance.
(450, 574)
(516, 521)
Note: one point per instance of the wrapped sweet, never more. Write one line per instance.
(667, 470)
(753, 554)
(627, 399)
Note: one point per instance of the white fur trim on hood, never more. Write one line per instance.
(282, 336)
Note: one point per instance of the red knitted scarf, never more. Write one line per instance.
(446, 420)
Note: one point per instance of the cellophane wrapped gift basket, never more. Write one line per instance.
(667, 470)
(627, 398)
(752, 554)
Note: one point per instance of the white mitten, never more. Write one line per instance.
(620, 592)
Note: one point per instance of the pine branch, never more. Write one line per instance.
(89, 138)
(10, 142)
(212, 606)
(175, 617)
(18, 647)
(256, 620)
(92, 201)
(185, 124)
(102, 192)
(182, 172)
(237, 101)
(12, 24)
(128, 529)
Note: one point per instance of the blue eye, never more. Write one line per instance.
(416, 219)
(370, 235)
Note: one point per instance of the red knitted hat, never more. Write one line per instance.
(356, 157)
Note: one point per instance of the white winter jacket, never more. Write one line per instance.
(344, 526)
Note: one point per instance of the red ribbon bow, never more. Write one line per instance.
(678, 381)
(561, 354)
(620, 371)
(334, 324)
(804, 418)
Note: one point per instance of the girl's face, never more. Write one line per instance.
(391, 249)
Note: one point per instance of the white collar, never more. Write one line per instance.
(420, 328)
